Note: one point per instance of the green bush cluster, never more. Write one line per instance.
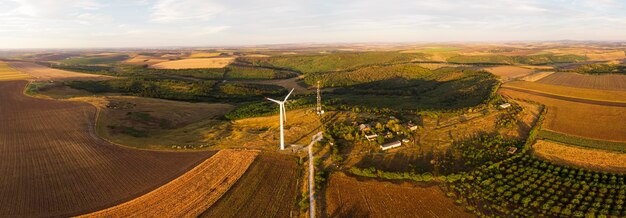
(600, 69)
(542, 59)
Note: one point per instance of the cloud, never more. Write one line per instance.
(167, 11)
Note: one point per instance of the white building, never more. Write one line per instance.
(505, 105)
(371, 137)
(391, 145)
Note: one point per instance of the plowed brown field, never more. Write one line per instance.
(53, 165)
(190, 194)
(349, 197)
(607, 82)
(268, 189)
(597, 120)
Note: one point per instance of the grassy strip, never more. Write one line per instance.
(582, 142)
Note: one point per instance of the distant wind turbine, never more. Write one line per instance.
(283, 116)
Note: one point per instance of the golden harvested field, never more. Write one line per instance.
(592, 159)
(267, 189)
(195, 63)
(507, 73)
(204, 54)
(606, 82)
(536, 76)
(143, 60)
(578, 118)
(605, 56)
(349, 197)
(570, 92)
(43, 73)
(8, 73)
(53, 164)
(434, 66)
(190, 194)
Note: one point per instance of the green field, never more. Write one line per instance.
(333, 62)
(582, 142)
(96, 60)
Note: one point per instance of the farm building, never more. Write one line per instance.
(371, 137)
(512, 150)
(411, 126)
(364, 127)
(505, 105)
(390, 145)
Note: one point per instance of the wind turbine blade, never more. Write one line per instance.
(277, 101)
(288, 94)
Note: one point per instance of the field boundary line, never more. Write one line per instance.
(571, 99)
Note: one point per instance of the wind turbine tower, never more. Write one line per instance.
(283, 116)
(318, 109)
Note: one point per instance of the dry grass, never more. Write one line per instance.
(507, 73)
(42, 73)
(606, 81)
(349, 197)
(186, 122)
(190, 194)
(592, 159)
(263, 132)
(8, 73)
(195, 63)
(572, 92)
(536, 76)
(580, 119)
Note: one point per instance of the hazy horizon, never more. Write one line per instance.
(195, 23)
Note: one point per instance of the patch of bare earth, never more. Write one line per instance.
(351, 197)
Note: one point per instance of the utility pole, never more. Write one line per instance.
(318, 109)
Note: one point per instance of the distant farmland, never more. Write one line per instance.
(349, 197)
(8, 73)
(570, 92)
(507, 73)
(53, 165)
(580, 119)
(606, 81)
(43, 73)
(195, 63)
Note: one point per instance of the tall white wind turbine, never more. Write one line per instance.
(283, 117)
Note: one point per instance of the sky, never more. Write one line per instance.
(162, 23)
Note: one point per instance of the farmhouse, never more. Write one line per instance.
(390, 145)
(505, 105)
(364, 127)
(512, 150)
(371, 137)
